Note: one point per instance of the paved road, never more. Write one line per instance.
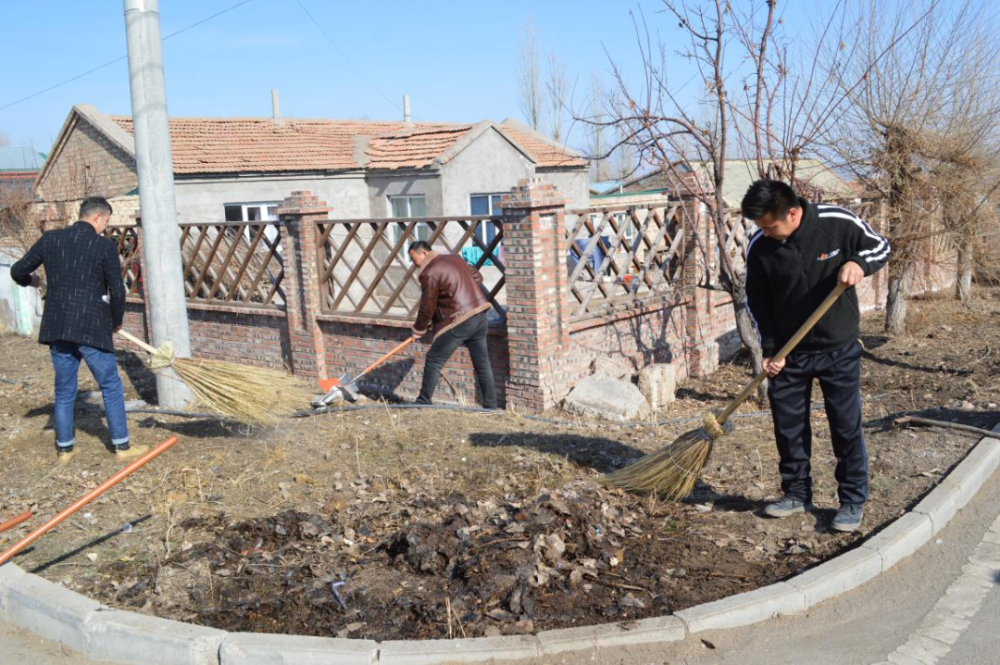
(936, 608)
(20, 647)
(889, 619)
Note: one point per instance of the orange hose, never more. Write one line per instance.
(14, 521)
(83, 501)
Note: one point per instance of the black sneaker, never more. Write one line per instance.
(787, 506)
(848, 518)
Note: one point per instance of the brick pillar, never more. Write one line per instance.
(298, 214)
(535, 249)
(699, 309)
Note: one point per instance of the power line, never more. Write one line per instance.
(347, 57)
(120, 58)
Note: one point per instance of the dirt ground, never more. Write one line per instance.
(395, 524)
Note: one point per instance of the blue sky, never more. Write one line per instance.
(456, 60)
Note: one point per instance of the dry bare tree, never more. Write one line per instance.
(595, 125)
(530, 93)
(913, 130)
(751, 104)
(557, 91)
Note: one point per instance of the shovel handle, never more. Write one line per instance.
(138, 342)
(399, 347)
(785, 350)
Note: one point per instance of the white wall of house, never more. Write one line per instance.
(202, 200)
(488, 165)
(573, 183)
(382, 185)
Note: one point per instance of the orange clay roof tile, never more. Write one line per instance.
(265, 145)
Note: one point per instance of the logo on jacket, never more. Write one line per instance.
(826, 256)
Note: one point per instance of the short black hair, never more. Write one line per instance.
(419, 246)
(769, 197)
(94, 205)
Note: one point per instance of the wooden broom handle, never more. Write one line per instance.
(138, 342)
(785, 350)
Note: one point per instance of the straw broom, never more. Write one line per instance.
(252, 395)
(673, 470)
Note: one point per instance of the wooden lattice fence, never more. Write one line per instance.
(365, 270)
(233, 262)
(625, 258)
(130, 253)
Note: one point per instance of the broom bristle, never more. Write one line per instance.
(670, 471)
(253, 395)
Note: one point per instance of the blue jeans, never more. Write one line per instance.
(66, 357)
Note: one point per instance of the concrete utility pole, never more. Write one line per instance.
(161, 250)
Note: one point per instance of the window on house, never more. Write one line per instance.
(631, 230)
(409, 206)
(252, 212)
(482, 205)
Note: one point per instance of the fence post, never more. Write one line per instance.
(145, 333)
(535, 246)
(298, 214)
(701, 351)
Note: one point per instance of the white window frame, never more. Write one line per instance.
(631, 230)
(268, 211)
(422, 231)
(492, 209)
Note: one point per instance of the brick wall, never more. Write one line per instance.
(234, 335)
(88, 165)
(351, 347)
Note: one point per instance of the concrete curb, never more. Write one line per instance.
(128, 637)
(59, 614)
(265, 649)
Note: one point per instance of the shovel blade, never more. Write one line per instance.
(327, 384)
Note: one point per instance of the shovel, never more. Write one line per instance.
(346, 386)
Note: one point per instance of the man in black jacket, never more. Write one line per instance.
(799, 255)
(84, 306)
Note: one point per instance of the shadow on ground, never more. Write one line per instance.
(86, 546)
(980, 419)
(602, 455)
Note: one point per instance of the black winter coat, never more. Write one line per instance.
(787, 280)
(85, 300)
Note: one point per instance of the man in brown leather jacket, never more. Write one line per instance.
(453, 304)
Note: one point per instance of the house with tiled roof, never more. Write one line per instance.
(19, 166)
(241, 168)
(813, 179)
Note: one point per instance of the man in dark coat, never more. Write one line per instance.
(84, 307)
(799, 255)
(453, 304)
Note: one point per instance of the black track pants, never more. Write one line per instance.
(839, 374)
(472, 333)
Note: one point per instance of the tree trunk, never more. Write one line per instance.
(963, 280)
(898, 298)
(748, 335)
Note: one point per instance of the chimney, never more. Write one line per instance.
(274, 103)
(406, 108)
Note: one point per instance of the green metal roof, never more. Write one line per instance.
(618, 195)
